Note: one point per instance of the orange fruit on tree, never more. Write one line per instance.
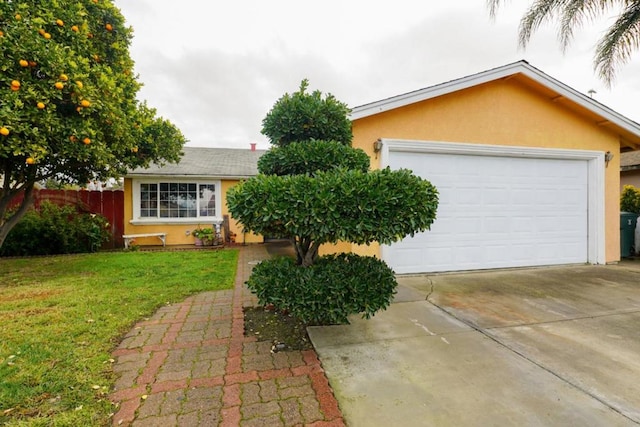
(134, 149)
(86, 141)
(58, 85)
(63, 77)
(23, 63)
(85, 103)
(18, 17)
(47, 36)
(40, 105)
(60, 22)
(79, 84)
(30, 160)
(4, 131)
(41, 32)
(109, 27)
(73, 138)
(1, 34)
(32, 63)
(15, 85)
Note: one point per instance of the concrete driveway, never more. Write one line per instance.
(557, 346)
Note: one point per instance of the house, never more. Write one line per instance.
(177, 198)
(528, 170)
(630, 169)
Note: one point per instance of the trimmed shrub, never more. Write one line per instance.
(327, 292)
(299, 158)
(56, 230)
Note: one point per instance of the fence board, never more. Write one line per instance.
(108, 203)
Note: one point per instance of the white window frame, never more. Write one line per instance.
(138, 220)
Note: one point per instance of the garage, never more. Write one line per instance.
(527, 167)
(499, 207)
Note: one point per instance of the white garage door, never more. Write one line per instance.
(496, 212)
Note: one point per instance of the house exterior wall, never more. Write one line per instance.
(503, 112)
(177, 233)
(631, 177)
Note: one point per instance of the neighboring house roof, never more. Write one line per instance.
(557, 91)
(630, 161)
(207, 162)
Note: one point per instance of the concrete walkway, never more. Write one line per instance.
(191, 365)
(532, 347)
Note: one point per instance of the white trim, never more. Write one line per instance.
(135, 199)
(596, 177)
(520, 67)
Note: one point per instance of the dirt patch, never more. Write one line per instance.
(282, 330)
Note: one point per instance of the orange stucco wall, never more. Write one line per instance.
(177, 233)
(503, 112)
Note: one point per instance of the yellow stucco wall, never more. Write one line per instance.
(177, 233)
(503, 112)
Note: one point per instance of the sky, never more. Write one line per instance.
(215, 68)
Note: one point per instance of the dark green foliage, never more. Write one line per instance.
(344, 205)
(630, 199)
(335, 287)
(304, 117)
(314, 188)
(56, 230)
(310, 157)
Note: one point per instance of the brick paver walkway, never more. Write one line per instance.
(191, 365)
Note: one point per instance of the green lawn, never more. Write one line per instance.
(62, 316)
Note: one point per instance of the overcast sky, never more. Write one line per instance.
(215, 68)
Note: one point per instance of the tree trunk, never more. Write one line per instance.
(7, 224)
(306, 250)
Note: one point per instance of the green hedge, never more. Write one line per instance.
(56, 230)
(327, 292)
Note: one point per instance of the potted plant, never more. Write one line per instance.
(204, 236)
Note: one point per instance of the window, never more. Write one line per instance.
(176, 201)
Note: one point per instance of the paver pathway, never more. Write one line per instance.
(191, 365)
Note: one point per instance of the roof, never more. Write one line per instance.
(207, 162)
(557, 91)
(630, 161)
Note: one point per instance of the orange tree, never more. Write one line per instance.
(68, 107)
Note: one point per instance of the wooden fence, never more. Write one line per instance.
(109, 203)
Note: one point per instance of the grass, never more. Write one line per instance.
(61, 317)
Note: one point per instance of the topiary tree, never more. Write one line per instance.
(69, 110)
(314, 188)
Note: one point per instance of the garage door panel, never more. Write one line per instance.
(497, 212)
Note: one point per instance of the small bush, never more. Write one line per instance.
(630, 199)
(325, 293)
(56, 230)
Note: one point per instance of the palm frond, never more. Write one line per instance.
(619, 42)
(493, 6)
(539, 12)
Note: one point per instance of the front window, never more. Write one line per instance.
(177, 200)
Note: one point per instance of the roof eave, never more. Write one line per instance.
(520, 67)
(185, 176)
